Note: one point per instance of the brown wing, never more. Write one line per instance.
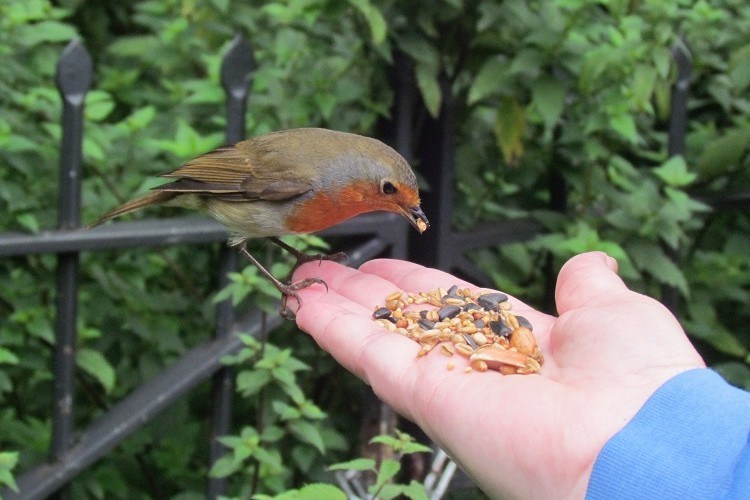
(242, 171)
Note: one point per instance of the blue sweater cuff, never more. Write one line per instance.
(690, 440)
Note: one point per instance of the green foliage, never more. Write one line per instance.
(156, 101)
(548, 93)
(8, 460)
(289, 428)
(575, 96)
(386, 471)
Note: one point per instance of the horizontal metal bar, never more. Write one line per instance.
(130, 414)
(159, 232)
(142, 233)
(498, 233)
(148, 400)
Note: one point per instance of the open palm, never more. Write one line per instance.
(518, 436)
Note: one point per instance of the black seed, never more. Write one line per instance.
(426, 324)
(382, 313)
(490, 301)
(471, 305)
(423, 313)
(499, 328)
(524, 322)
(392, 319)
(470, 341)
(452, 290)
(480, 324)
(448, 312)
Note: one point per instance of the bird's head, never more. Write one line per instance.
(358, 175)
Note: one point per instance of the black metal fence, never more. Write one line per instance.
(73, 450)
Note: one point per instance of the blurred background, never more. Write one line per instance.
(621, 126)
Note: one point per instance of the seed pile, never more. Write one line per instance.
(479, 327)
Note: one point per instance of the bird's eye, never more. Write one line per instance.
(388, 188)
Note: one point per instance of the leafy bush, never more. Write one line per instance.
(559, 93)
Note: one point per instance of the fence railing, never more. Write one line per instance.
(443, 246)
(72, 450)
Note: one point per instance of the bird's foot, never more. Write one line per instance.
(290, 290)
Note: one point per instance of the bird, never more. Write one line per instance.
(293, 181)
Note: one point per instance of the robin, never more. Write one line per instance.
(290, 182)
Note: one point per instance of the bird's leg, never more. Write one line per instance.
(303, 257)
(287, 290)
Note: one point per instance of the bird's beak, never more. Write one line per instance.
(416, 218)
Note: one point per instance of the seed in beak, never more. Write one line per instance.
(418, 219)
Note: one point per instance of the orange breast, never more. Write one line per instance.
(328, 209)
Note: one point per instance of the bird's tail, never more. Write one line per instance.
(151, 198)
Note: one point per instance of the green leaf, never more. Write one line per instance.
(28, 221)
(224, 466)
(250, 382)
(356, 464)
(674, 172)
(315, 491)
(46, 32)
(284, 411)
(308, 433)
(739, 69)
(8, 459)
(374, 18)
(492, 78)
(509, 130)
(650, 257)
(548, 97)
(426, 69)
(319, 491)
(96, 365)
(284, 376)
(311, 411)
(386, 440)
(221, 5)
(388, 470)
(642, 88)
(724, 154)
(415, 491)
(662, 58)
(414, 447)
(140, 118)
(624, 124)
(429, 87)
(271, 434)
(8, 358)
(705, 325)
(7, 478)
(99, 105)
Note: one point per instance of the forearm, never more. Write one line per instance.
(690, 440)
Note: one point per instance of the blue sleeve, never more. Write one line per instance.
(690, 440)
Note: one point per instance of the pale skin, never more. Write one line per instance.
(518, 436)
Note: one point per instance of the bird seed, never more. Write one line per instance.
(479, 327)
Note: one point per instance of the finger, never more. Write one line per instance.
(411, 277)
(385, 360)
(367, 290)
(346, 331)
(415, 278)
(585, 279)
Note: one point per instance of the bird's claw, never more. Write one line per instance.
(290, 290)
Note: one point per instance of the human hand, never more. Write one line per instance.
(517, 436)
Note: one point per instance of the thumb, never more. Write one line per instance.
(586, 278)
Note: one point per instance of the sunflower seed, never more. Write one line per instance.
(448, 312)
(381, 313)
(491, 300)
